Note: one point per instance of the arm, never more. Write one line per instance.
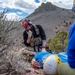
(26, 39)
(37, 61)
(29, 36)
(44, 43)
(42, 34)
(71, 46)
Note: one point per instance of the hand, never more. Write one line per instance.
(29, 33)
(35, 64)
(43, 50)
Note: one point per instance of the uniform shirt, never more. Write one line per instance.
(71, 46)
(41, 33)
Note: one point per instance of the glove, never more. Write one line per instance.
(29, 33)
(43, 50)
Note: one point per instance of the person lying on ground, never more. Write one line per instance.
(41, 58)
(37, 61)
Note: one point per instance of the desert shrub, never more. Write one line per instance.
(5, 27)
(14, 56)
(59, 42)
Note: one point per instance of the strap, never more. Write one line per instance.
(36, 29)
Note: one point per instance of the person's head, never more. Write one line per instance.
(51, 64)
(26, 24)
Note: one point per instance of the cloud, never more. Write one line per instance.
(26, 6)
(63, 5)
(23, 8)
(12, 16)
(15, 15)
(30, 5)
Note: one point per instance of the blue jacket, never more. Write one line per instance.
(71, 46)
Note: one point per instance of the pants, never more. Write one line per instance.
(65, 69)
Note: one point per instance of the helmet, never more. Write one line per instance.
(25, 22)
(51, 64)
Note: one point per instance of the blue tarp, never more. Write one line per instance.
(63, 56)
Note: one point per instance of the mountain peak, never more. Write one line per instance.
(44, 7)
(47, 6)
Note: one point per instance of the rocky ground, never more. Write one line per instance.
(51, 21)
(36, 72)
(17, 61)
(4, 70)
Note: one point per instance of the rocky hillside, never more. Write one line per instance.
(44, 8)
(52, 18)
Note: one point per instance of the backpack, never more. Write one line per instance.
(36, 41)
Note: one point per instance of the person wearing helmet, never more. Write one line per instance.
(33, 35)
(69, 68)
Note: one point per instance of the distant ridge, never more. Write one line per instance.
(52, 18)
(45, 7)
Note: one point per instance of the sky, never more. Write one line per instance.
(19, 9)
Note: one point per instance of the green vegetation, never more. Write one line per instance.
(5, 28)
(59, 42)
